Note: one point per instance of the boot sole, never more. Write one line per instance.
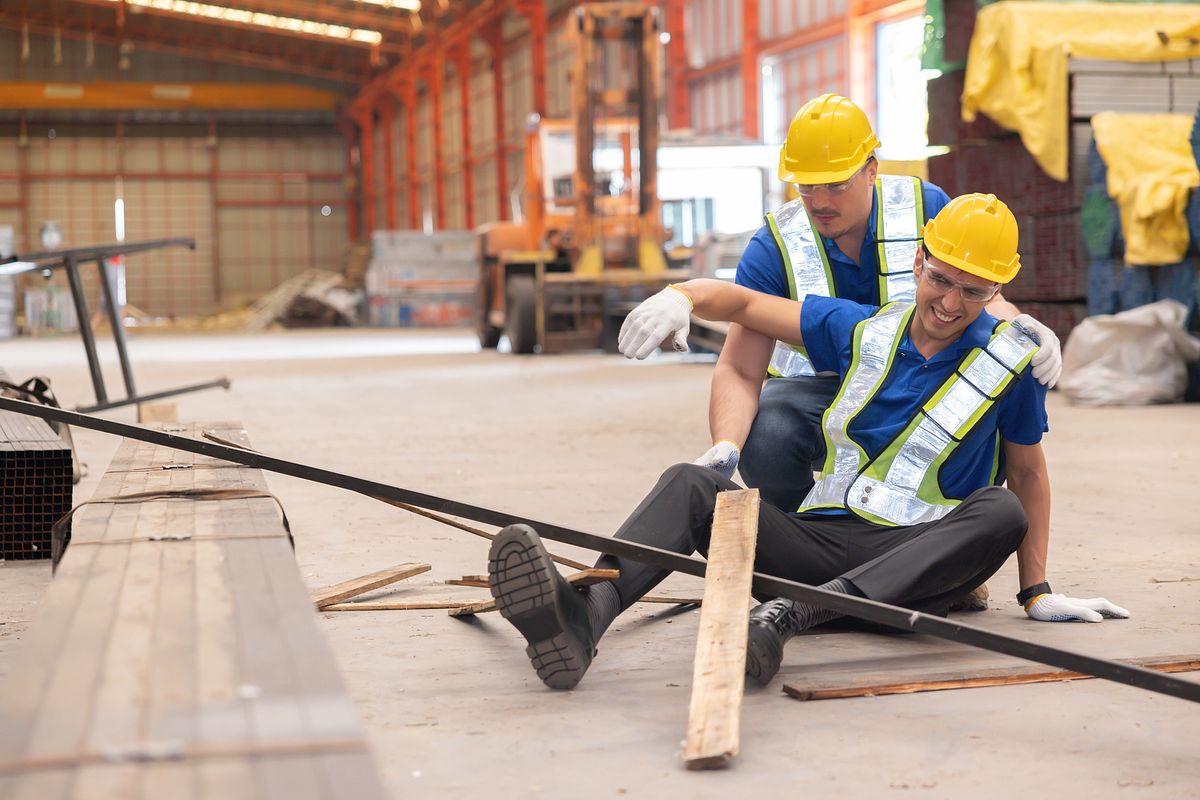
(523, 581)
(762, 658)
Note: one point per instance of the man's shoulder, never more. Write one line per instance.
(761, 266)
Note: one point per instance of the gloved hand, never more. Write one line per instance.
(666, 315)
(721, 458)
(1047, 361)
(1060, 608)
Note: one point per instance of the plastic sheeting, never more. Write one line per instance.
(1136, 357)
(1151, 172)
(1017, 70)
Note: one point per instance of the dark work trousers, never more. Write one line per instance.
(923, 567)
(786, 442)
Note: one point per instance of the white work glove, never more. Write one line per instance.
(721, 458)
(1047, 361)
(1060, 608)
(666, 315)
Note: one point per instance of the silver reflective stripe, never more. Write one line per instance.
(875, 349)
(900, 236)
(942, 426)
(808, 276)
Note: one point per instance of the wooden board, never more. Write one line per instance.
(176, 653)
(837, 685)
(157, 412)
(719, 672)
(356, 586)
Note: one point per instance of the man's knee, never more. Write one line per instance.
(1004, 514)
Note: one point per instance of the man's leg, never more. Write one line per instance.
(924, 567)
(786, 442)
(562, 624)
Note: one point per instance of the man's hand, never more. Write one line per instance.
(1047, 361)
(666, 315)
(1060, 608)
(721, 458)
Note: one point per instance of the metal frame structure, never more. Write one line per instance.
(845, 604)
(70, 260)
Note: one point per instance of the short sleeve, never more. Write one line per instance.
(827, 328)
(1021, 417)
(761, 266)
(934, 198)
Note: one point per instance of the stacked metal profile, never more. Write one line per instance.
(35, 485)
(422, 280)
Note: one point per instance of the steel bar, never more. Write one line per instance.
(115, 318)
(103, 251)
(218, 383)
(849, 605)
(75, 280)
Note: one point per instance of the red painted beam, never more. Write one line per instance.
(410, 138)
(679, 112)
(751, 93)
(463, 62)
(366, 126)
(387, 109)
(496, 43)
(435, 82)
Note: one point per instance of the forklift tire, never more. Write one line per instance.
(521, 314)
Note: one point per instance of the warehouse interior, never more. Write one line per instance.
(337, 253)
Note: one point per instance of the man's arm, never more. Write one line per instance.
(667, 315)
(1030, 482)
(736, 384)
(1047, 362)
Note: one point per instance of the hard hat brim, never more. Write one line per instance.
(972, 269)
(817, 178)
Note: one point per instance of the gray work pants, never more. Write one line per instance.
(923, 566)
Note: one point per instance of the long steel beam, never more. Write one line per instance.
(849, 605)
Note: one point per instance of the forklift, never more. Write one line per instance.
(590, 246)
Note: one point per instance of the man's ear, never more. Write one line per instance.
(872, 169)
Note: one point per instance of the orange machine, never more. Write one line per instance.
(591, 241)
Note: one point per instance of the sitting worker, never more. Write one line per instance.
(851, 233)
(905, 510)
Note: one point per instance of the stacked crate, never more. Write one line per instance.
(35, 485)
(422, 280)
(983, 157)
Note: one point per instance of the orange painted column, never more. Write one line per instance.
(439, 168)
(410, 149)
(678, 94)
(463, 62)
(496, 43)
(535, 12)
(751, 79)
(366, 126)
(386, 112)
(347, 128)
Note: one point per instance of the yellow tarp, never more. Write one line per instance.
(1151, 170)
(1017, 64)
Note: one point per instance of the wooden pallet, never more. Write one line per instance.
(176, 654)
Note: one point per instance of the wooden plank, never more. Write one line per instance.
(157, 412)
(585, 577)
(356, 586)
(417, 605)
(719, 673)
(193, 652)
(838, 686)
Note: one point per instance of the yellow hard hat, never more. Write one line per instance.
(978, 234)
(829, 140)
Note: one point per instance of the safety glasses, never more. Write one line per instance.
(809, 189)
(941, 284)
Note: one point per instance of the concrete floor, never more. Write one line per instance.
(452, 707)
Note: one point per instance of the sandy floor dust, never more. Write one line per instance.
(452, 708)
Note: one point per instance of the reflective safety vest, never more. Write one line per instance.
(900, 209)
(899, 486)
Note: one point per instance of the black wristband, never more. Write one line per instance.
(1025, 595)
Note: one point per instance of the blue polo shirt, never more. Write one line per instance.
(761, 265)
(827, 326)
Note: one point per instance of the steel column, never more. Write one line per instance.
(495, 43)
(115, 318)
(463, 62)
(387, 110)
(410, 152)
(366, 123)
(436, 78)
(85, 327)
(678, 93)
(751, 77)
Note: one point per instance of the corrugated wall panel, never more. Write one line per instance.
(486, 205)
(714, 30)
(716, 103)
(518, 91)
(174, 281)
(84, 212)
(559, 54)
(801, 74)
(262, 247)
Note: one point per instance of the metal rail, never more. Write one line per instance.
(848, 605)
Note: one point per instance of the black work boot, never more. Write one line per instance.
(771, 624)
(539, 602)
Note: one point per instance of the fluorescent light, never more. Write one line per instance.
(403, 5)
(260, 19)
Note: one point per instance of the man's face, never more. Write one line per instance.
(943, 313)
(836, 209)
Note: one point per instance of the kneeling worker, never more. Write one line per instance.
(905, 510)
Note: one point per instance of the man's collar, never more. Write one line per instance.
(977, 334)
(870, 237)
